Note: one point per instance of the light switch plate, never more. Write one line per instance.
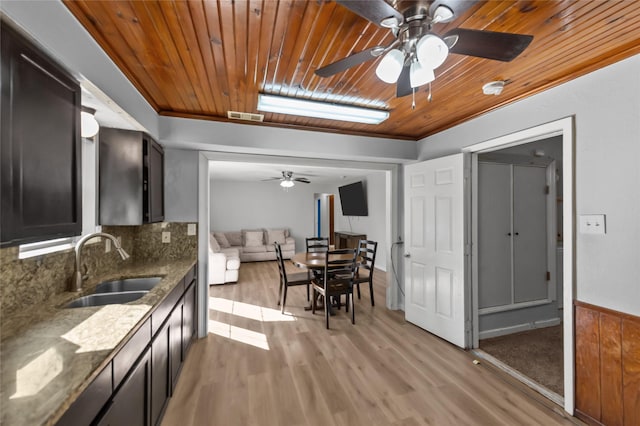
(592, 224)
(166, 237)
(191, 229)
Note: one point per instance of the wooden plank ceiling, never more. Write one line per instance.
(200, 59)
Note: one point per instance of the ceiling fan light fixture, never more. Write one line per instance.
(431, 51)
(390, 66)
(442, 14)
(287, 183)
(390, 22)
(88, 124)
(419, 74)
(315, 109)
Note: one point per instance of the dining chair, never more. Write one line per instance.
(366, 263)
(317, 244)
(288, 280)
(336, 279)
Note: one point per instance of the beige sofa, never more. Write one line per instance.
(224, 263)
(257, 244)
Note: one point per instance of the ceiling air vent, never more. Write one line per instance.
(237, 115)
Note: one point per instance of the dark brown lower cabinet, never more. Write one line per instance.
(130, 403)
(135, 387)
(175, 343)
(160, 390)
(189, 317)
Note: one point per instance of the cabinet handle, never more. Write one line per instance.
(517, 233)
(508, 234)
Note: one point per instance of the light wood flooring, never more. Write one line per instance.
(258, 367)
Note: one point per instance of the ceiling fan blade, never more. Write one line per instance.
(488, 44)
(302, 180)
(456, 6)
(271, 178)
(372, 10)
(350, 61)
(403, 87)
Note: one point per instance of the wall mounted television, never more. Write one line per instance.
(353, 200)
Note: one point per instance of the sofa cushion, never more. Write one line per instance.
(222, 239)
(253, 238)
(231, 252)
(254, 249)
(233, 263)
(234, 238)
(213, 244)
(275, 236)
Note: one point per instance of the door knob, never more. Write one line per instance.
(407, 255)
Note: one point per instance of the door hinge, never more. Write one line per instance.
(467, 249)
(547, 189)
(548, 276)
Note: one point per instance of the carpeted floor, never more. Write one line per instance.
(535, 353)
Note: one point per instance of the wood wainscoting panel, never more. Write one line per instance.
(607, 366)
(588, 362)
(611, 369)
(631, 371)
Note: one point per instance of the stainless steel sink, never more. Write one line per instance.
(128, 284)
(102, 299)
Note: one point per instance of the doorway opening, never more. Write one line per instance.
(324, 216)
(519, 275)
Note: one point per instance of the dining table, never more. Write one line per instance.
(315, 261)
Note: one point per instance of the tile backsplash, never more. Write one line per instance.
(26, 282)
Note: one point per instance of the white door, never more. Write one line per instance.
(436, 292)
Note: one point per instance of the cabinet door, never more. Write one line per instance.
(188, 320)
(130, 404)
(530, 233)
(121, 158)
(175, 345)
(494, 235)
(160, 373)
(40, 146)
(154, 179)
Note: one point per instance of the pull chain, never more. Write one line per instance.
(413, 103)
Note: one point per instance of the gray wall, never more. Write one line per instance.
(375, 224)
(606, 107)
(180, 185)
(249, 205)
(237, 205)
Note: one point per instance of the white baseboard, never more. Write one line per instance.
(486, 334)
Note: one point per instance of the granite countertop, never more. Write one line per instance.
(51, 354)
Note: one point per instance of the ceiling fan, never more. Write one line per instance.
(287, 180)
(410, 60)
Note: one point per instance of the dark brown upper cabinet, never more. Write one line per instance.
(40, 150)
(131, 178)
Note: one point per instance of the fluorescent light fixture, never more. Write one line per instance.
(88, 124)
(287, 183)
(306, 108)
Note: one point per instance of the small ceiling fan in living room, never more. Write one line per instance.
(287, 180)
(409, 61)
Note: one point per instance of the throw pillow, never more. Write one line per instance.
(234, 238)
(222, 239)
(253, 238)
(213, 244)
(275, 236)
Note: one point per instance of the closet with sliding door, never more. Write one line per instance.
(516, 240)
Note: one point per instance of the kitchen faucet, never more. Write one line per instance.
(116, 244)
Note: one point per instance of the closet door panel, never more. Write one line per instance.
(494, 242)
(530, 233)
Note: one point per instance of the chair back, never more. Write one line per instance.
(340, 266)
(317, 244)
(367, 254)
(280, 262)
